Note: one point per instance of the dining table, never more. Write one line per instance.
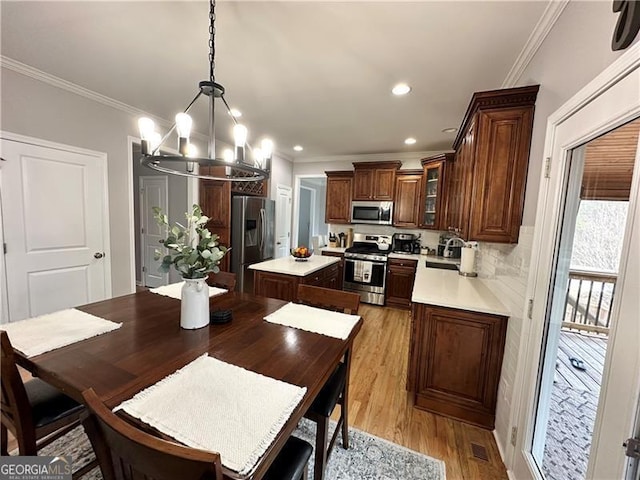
(150, 345)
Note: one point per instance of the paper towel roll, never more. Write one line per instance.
(468, 260)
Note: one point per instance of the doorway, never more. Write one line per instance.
(580, 315)
(283, 221)
(181, 194)
(309, 227)
(580, 304)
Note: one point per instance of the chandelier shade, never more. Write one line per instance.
(238, 167)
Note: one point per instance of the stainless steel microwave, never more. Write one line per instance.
(378, 213)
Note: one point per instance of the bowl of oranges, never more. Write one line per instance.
(301, 254)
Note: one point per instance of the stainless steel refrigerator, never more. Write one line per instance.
(252, 236)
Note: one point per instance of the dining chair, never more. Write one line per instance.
(125, 452)
(35, 412)
(336, 390)
(222, 280)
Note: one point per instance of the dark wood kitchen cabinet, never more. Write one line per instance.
(455, 362)
(215, 201)
(285, 287)
(406, 207)
(340, 276)
(374, 180)
(338, 197)
(485, 198)
(432, 202)
(401, 274)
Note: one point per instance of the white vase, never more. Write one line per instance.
(194, 308)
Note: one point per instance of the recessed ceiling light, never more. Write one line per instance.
(401, 89)
(298, 148)
(410, 141)
(234, 112)
(450, 130)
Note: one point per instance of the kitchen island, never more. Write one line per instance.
(280, 278)
(457, 344)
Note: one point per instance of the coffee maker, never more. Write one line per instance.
(403, 243)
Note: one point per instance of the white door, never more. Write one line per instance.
(154, 191)
(283, 221)
(55, 222)
(599, 108)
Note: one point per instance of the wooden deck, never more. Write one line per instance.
(589, 348)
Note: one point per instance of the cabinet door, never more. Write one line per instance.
(406, 209)
(500, 173)
(400, 278)
(215, 201)
(338, 200)
(459, 197)
(274, 285)
(383, 184)
(335, 281)
(432, 203)
(363, 184)
(459, 363)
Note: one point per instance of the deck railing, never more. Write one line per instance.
(589, 301)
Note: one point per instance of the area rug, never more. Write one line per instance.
(572, 414)
(368, 457)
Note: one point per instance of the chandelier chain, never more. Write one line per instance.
(212, 35)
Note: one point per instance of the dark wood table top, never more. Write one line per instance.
(151, 345)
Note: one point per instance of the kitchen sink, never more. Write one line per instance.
(442, 265)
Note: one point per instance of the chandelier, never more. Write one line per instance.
(238, 168)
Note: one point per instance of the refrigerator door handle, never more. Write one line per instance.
(262, 230)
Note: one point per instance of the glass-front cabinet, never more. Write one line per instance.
(433, 205)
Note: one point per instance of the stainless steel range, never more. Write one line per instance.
(365, 267)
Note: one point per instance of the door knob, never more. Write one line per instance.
(98, 255)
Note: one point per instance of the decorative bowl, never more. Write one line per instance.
(301, 254)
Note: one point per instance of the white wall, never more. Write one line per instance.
(34, 108)
(575, 51)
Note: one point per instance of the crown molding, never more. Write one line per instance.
(540, 31)
(371, 157)
(44, 77)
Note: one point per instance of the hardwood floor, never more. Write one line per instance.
(380, 405)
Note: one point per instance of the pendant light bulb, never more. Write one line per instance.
(240, 138)
(227, 155)
(147, 129)
(154, 141)
(183, 125)
(267, 147)
(258, 157)
(240, 135)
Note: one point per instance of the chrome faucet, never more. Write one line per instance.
(447, 252)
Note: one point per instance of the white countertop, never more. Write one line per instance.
(333, 249)
(446, 288)
(288, 266)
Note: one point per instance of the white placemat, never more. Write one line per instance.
(174, 290)
(215, 406)
(37, 335)
(316, 320)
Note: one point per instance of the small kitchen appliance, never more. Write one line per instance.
(403, 243)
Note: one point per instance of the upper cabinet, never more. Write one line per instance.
(374, 180)
(406, 209)
(435, 173)
(338, 201)
(485, 198)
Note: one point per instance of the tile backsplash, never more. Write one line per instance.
(428, 238)
(505, 268)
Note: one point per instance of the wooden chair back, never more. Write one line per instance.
(222, 280)
(16, 409)
(126, 453)
(329, 299)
